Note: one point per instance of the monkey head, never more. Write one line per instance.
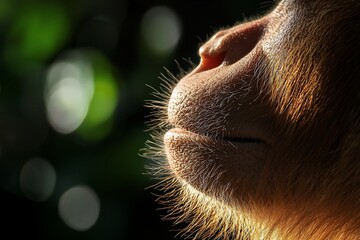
(262, 139)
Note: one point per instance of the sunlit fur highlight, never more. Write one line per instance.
(314, 92)
(299, 197)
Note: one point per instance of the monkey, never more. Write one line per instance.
(261, 140)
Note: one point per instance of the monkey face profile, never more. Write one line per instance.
(262, 139)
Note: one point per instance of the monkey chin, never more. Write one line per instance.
(213, 176)
(214, 166)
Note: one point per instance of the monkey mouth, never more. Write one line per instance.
(189, 153)
(217, 137)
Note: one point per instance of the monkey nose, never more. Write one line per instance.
(229, 46)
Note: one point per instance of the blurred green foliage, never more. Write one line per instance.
(99, 120)
(37, 32)
(102, 150)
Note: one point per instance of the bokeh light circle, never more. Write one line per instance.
(69, 90)
(37, 179)
(161, 29)
(79, 207)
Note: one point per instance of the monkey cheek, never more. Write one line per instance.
(215, 167)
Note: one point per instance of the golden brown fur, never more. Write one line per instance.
(308, 186)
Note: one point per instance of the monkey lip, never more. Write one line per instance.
(210, 137)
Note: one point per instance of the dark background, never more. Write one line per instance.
(79, 128)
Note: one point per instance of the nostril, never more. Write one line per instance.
(209, 61)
